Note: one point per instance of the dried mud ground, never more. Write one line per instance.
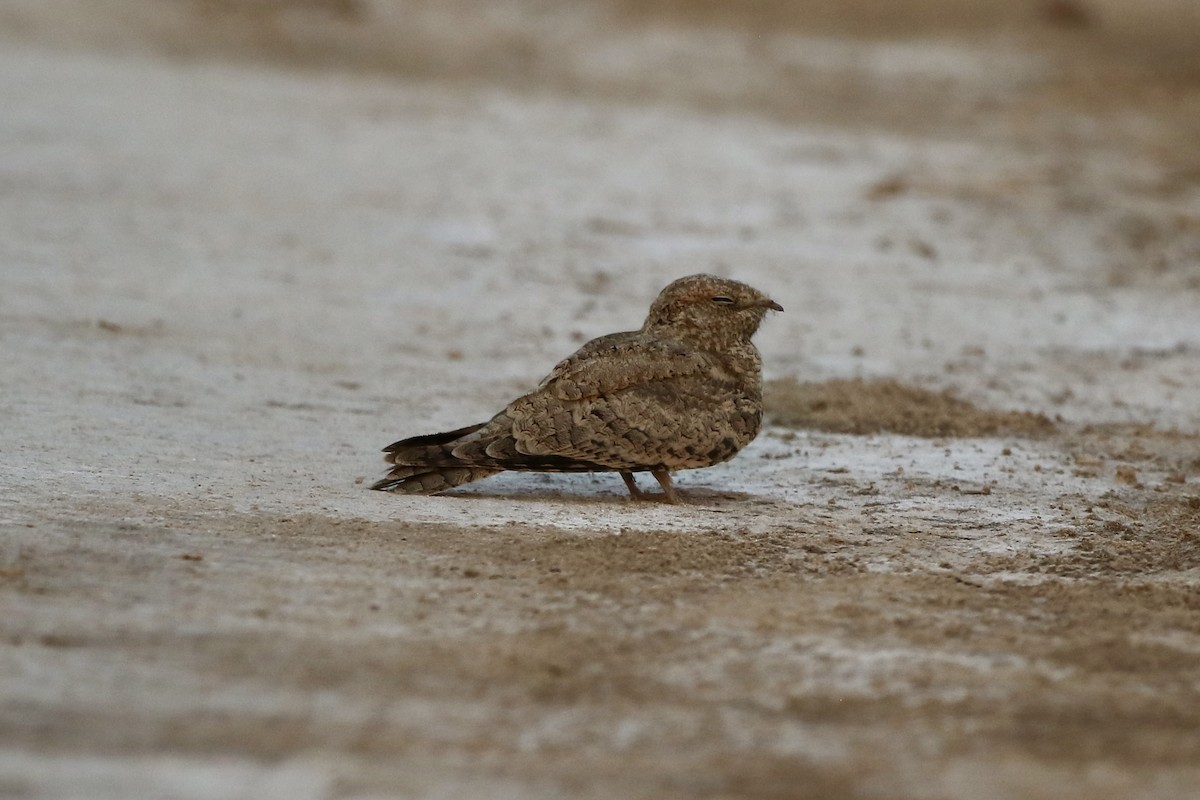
(245, 245)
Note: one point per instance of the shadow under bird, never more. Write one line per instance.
(682, 392)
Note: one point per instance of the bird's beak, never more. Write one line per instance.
(771, 304)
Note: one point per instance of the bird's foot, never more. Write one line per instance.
(669, 494)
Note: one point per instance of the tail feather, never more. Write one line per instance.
(427, 464)
(424, 480)
(431, 450)
(439, 461)
(431, 439)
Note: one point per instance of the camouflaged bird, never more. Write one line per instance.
(684, 391)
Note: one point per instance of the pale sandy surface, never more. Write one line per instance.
(245, 245)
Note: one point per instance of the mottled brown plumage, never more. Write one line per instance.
(684, 391)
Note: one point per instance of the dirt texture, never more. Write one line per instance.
(855, 405)
(244, 244)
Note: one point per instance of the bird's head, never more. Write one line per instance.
(706, 307)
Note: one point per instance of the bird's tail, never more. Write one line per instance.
(427, 464)
(440, 461)
(429, 480)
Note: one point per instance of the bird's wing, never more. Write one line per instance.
(545, 428)
(625, 401)
(618, 361)
(630, 401)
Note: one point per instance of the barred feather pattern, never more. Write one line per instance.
(682, 392)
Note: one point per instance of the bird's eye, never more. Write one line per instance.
(723, 300)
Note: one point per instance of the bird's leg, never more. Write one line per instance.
(632, 486)
(669, 494)
(663, 477)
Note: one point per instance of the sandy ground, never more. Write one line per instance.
(244, 245)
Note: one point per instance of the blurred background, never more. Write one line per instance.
(1062, 79)
(838, 60)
